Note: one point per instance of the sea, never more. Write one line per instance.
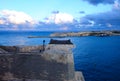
(97, 57)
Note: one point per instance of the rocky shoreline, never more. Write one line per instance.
(78, 34)
(91, 33)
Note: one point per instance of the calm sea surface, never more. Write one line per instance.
(97, 57)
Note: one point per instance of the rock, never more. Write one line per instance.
(90, 33)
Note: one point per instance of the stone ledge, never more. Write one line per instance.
(79, 76)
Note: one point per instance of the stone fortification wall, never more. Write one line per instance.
(18, 49)
(30, 48)
(53, 64)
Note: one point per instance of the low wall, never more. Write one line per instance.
(17, 49)
(30, 48)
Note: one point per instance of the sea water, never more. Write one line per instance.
(97, 57)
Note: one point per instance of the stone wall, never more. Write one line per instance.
(30, 48)
(23, 66)
(53, 64)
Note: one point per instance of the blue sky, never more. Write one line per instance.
(59, 14)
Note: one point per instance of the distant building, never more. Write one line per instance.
(53, 41)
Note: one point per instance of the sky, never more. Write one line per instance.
(59, 15)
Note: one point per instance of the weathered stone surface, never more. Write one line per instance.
(30, 48)
(79, 76)
(32, 67)
(54, 64)
(16, 49)
(9, 48)
(3, 51)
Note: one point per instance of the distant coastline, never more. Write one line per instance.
(77, 34)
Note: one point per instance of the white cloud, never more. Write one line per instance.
(2, 21)
(116, 5)
(109, 25)
(60, 18)
(91, 23)
(108, 19)
(64, 28)
(15, 17)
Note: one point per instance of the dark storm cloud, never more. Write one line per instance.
(95, 2)
(109, 18)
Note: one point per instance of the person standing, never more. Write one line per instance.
(43, 45)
